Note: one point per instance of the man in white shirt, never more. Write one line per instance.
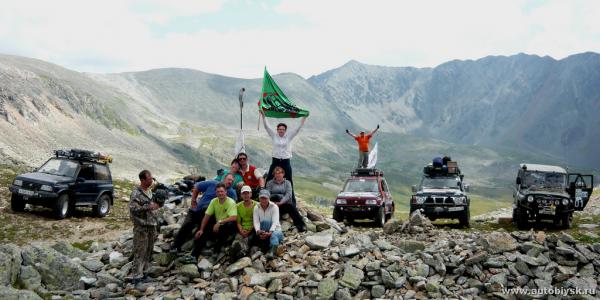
(282, 149)
(266, 222)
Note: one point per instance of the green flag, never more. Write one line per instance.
(274, 102)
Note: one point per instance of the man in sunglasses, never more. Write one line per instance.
(251, 174)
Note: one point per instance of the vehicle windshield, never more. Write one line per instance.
(361, 185)
(440, 183)
(60, 167)
(544, 180)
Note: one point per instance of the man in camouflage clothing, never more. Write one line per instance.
(142, 210)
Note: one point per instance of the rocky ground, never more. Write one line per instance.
(405, 260)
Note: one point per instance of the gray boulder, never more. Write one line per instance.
(498, 242)
(29, 278)
(238, 265)
(320, 240)
(361, 241)
(190, 271)
(14, 294)
(68, 250)
(352, 277)
(10, 264)
(391, 226)
(57, 270)
(410, 245)
(327, 288)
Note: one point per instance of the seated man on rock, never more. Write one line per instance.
(266, 222)
(219, 222)
(281, 194)
(195, 215)
(245, 211)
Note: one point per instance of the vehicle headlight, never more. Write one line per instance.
(340, 201)
(556, 202)
(371, 202)
(18, 182)
(565, 202)
(530, 199)
(460, 200)
(420, 200)
(46, 188)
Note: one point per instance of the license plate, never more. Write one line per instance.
(548, 210)
(456, 208)
(26, 192)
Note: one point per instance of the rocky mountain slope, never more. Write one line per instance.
(523, 101)
(169, 120)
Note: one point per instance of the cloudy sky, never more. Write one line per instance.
(239, 37)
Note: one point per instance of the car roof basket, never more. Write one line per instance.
(450, 168)
(366, 172)
(84, 155)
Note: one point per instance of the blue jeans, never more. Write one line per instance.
(276, 236)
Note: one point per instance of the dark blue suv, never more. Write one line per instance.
(70, 179)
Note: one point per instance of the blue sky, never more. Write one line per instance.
(239, 37)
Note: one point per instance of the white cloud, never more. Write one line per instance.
(115, 36)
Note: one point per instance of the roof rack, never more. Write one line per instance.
(86, 155)
(451, 168)
(366, 172)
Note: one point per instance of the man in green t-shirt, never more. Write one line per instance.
(245, 211)
(219, 222)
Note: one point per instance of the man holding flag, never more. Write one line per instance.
(275, 104)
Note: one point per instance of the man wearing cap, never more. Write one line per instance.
(195, 215)
(245, 211)
(266, 221)
(251, 174)
(219, 222)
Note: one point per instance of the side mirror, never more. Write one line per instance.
(467, 188)
(518, 180)
(80, 180)
(414, 188)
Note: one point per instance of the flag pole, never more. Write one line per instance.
(241, 96)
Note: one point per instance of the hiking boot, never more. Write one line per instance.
(302, 228)
(236, 250)
(271, 253)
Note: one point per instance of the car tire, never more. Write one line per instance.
(464, 219)
(566, 220)
(380, 218)
(103, 207)
(522, 219)
(62, 207)
(17, 204)
(337, 215)
(391, 214)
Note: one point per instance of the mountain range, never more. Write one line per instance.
(489, 113)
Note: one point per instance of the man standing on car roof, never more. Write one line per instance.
(363, 146)
(142, 210)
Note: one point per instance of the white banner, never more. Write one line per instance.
(372, 157)
(239, 144)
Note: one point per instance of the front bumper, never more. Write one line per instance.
(545, 211)
(32, 196)
(440, 211)
(358, 211)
